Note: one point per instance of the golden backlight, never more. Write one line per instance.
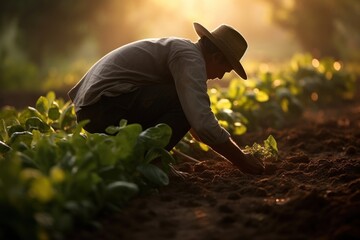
(134, 20)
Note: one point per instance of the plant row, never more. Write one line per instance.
(277, 99)
(54, 176)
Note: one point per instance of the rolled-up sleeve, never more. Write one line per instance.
(190, 80)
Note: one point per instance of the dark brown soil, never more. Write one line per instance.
(311, 192)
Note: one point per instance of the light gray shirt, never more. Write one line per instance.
(155, 61)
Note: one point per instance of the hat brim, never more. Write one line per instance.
(237, 67)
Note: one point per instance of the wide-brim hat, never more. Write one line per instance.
(230, 42)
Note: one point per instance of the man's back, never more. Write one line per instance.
(126, 68)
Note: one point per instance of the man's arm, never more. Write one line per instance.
(245, 162)
(194, 135)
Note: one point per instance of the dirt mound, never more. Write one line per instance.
(311, 192)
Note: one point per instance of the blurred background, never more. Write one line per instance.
(48, 45)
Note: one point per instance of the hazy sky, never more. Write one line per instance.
(157, 18)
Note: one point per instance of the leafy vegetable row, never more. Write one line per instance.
(53, 175)
(277, 99)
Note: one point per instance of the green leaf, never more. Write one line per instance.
(36, 137)
(153, 174)
(271, 143)
(17, 139)
(45, 154)
(223, 104)
(36, 123)
(30, 112)
(15, 128)
(87, 163)
(161, 154)
(51, 96)
(107, 152)
(158, 136)
(239, 128)
(121, 186)
(284, 103)
(120, 191)
(126, 139)
(67, 118)
(26, 160)
(123, 122)
(3, 131)
(42, 105)
(79, 127)
(54, 113)
(152, 154)
(236, 89)
(261, 96)
(8, 112)
(112, 130)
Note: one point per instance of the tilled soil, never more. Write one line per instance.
(311, 192)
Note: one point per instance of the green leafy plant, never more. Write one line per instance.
(54, 175)
(276, 99)
(268, 151)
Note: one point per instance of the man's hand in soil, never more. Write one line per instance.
(247, 163)
(252, 163)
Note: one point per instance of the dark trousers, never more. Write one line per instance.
(148, 106)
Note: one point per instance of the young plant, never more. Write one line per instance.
(267, 152)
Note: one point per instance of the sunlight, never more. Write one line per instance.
(337, 66)
(264, 67)
(243, 15)
(315, 63)
(162, 18)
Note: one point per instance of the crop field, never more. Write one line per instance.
(58, 181)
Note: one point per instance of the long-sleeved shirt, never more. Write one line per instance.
(155, 61)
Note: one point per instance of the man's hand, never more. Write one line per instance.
(247, 163)
(250, 164)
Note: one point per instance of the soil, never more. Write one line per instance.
(311, 192)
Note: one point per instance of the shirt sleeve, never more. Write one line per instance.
(190, 78)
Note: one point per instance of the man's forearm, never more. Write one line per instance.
(194, 134)
(232, 152)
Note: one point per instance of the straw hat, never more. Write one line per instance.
(229, 41)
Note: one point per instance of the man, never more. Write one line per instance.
(164, 81)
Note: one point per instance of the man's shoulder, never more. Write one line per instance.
(181, 47)
(180, 42)
(169, 42)
(173, 47)
(165, 43)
